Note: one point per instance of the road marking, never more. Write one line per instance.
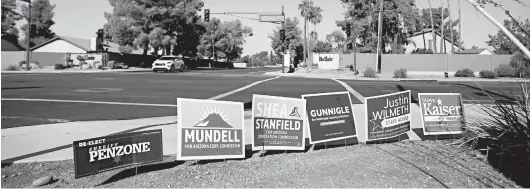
(241, 89)
(97, 90)
(104, 78)
(90, 102)
(351, 90)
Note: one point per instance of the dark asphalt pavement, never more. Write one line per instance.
(165, 88)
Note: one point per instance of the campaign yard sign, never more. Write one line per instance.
(210, 129)
(387, 115)
(278, 123)
(442, 113)
(330, 116)
(100, 154)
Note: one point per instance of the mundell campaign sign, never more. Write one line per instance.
(95, 155)
(278, 123)
(210, 129)
(330, 116)
(441, 113)
(387, 115)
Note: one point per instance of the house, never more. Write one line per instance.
(63, 44)
(424, 40)
(481, 51)
(8, 45)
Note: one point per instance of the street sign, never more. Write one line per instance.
(210, 129)
(100, 154)
(442, 113)
(278, 123)
(272, 18)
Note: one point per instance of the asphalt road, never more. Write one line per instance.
(165, 88)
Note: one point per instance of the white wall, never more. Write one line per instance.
(327, 61)
(418, 43)
(60, 46)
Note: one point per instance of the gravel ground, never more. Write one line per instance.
(403, 164)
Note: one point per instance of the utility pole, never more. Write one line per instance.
(283, 42)
(28, 33)
(354, 50)
(379, 37)
(500, 26)
(451, 27)
(432, 29)
(442, 41)
(459, 28)
(213, 53)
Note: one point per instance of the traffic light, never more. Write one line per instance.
(349, 46)
(348, 29)
(282, 35)
(99, 40)
(206, 15)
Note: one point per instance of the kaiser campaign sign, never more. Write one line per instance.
(209, 129)
(387, 115)
(442, 113)
(327, 61)
(330, 116)
(278, 123)
(95, 155)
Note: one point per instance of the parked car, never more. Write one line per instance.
(169, 64)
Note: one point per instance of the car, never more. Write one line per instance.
(168, 63)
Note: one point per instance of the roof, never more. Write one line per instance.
(11, 46)
(429, 30)
(114, 48)
(472, 51)
(81, 43)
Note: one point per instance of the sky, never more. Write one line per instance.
(82, 18)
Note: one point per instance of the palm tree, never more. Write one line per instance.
(315, 17)
(305, 9)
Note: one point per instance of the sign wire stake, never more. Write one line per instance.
(136, 170)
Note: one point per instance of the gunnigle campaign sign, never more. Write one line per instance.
(442, 113)
(210, 129)
(95, 155)
(388, 115)
(330, 116)
(278, 123)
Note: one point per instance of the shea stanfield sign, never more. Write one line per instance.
(209, 129)
(278, 123)
(96, 155)
(441, 113)
(387, 115)
(330, 116)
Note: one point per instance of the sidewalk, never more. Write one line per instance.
(52, 142)
(52, 70)
(412, 76)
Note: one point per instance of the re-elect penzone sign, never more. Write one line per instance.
(330, 116)
(278, 123)
(210, 129)
(100, 154)
(442, 113)
(387, 115)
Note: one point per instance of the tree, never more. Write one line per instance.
(474, 47)
(337, 38)
(212, 30)
(41, 21)
(503, 45)
(425, 22)
(9, 19)
(161, 24)
(305, 9)
(315, 17)
(293, 41)
(230, 39)
(399, 16)
(322, 47)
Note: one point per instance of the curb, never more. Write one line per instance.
(67, 72)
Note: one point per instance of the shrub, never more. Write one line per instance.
(21, 63)
(59, 66)
(465, 73)
(422, 51)
(504, 137)
(13, 67)
(37, 63)
(401, 73)
(505, 71)
(521, 63)
(487, 74)
(369, 72)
